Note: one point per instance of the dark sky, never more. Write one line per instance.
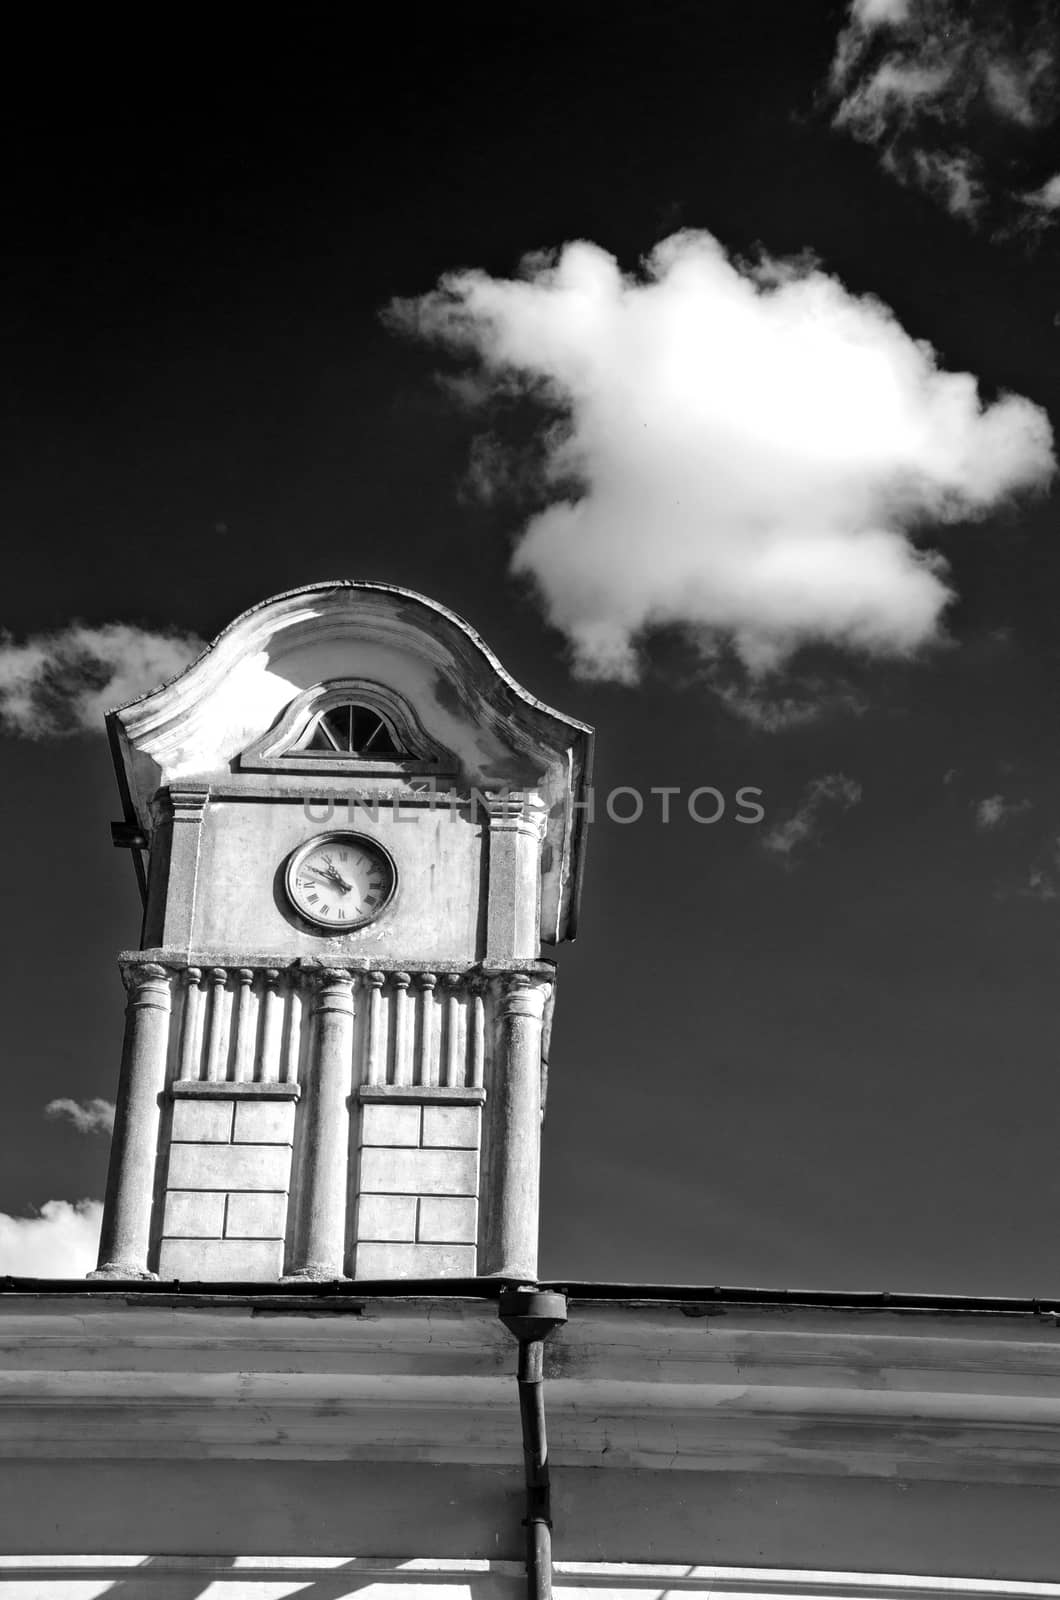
(835, 1072)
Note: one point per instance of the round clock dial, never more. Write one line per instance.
(340, 880)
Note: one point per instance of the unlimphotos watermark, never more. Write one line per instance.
(623, 804)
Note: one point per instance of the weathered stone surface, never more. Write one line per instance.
(446, 1220)
(414, 1261)
(419, 1172)
(387, 1216)
(221, 1260)
(192, 1214)
(202, 1121)
(451, 1127)
(264, 1122)
(231, 1166)
(256, 1216)
(390, 1125)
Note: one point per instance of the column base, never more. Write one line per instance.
(119, 1269)
(316, 1274)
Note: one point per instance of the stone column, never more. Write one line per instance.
(513, 1201)
(322, 1209)
(126, 1235)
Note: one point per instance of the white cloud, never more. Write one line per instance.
(803, 828)
(877, 13)
(948, 91)
(87, 1116)
(741, 450)
(61, 1242)
(60, 683)
(1046, 198)
(995, 811)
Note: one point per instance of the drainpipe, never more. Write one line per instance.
(531, 1314)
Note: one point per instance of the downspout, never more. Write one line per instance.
(531, 1315)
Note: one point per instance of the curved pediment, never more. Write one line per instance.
(257, 700)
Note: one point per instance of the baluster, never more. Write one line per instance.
(191, 1032)
(243, 1006)
(376, 1070)
(455, 1045)
(217, 1038)
(293, 1049)
(267, 1067)
(477, 1029)
(427, 1073)
(402, 1038)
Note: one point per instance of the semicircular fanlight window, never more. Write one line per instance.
(351, 730)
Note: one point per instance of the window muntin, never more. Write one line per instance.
(350, 729)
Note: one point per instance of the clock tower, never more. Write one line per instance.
(353, 832)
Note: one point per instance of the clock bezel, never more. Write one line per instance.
(349, 836)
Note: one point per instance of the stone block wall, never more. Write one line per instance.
(228, 1179)
(418, 1189)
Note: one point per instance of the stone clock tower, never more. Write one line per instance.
(353, 831)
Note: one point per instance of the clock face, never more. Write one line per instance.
(340, 880)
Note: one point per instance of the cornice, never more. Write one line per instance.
(627, 1387)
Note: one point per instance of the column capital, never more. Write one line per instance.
(182, 802)
(515, 811)
(524, 994)
(147, 984)
(333, 989)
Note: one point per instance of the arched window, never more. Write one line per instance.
(348, 725)
(349, 729)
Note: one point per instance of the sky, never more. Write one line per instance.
(705, 359)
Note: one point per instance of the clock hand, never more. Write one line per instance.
(331, 876)
(335, 874)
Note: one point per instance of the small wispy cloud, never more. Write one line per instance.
(777, 706)
(803, 829)
(87, 1116)
(61, 1240)
(1041, 884)
(995, 811)
(1041, 880)
(63, 682)
(951, 94)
